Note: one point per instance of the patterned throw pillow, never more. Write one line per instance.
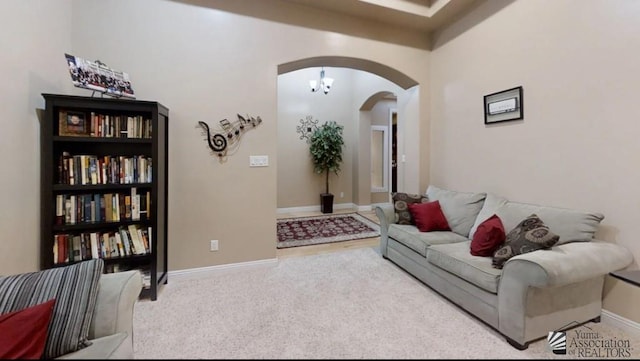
(529, 235)
(400, 205)
(75, 289)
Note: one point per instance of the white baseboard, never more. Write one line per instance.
(364, 208)
(315, 208)
(203, 272)
(625, 324)
(374, 205)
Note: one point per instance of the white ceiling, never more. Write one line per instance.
(405, 22)
(422, 15)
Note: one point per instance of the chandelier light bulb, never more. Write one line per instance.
(324, 84)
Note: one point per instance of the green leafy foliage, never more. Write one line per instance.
(326, 149)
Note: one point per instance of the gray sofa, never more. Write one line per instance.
(534, 293)
(111, 330)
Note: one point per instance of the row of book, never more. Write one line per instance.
(84, 169)
(104, 125)
(99, 207)
(126, 241)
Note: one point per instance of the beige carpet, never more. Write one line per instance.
(343, 305)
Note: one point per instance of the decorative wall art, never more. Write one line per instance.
(97, 76)
(307, 127)
(225, 140)
(503, 106)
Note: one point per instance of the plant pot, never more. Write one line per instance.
(326, 202)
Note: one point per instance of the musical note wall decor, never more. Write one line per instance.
(225, 140)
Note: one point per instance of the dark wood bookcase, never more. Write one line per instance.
(104, 185)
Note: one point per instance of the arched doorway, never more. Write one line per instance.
(364, 94)
(380, 110)
(391, 74)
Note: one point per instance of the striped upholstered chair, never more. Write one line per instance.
(74, 311)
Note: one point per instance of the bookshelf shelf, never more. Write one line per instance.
(140, 259)
(96, 225)
(100, 140)
(104, 185)
(96, 187)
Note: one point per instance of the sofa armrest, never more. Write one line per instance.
(573, 262)
(117, 294)
(386, 216)
(541, 284)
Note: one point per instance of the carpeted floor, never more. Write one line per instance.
(304, 231)
(342, 305)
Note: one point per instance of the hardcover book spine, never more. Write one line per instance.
(94, 245)
(60, 207)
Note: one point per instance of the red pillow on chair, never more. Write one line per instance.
(429, 217)
(24, 332)
(488, 237)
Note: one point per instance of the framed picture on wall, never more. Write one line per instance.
(503, 106)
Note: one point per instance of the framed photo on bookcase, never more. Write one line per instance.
(72, 123)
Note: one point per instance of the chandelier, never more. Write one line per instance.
(324, 84)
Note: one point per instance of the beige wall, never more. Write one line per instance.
(35, 35)
(578, 144)
(204, 64)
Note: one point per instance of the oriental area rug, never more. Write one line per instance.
(303, 231)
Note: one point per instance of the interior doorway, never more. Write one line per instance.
(393, 114)
(296, 180)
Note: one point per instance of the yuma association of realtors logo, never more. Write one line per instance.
(558, 342)
(583, 343)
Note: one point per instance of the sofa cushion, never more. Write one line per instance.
(529, 235)
(570, 224)
(460, 208)
(24, 332)
(401, 203)
(418, 241)
(75, 289)
(455, 258)
(489, 236)
(428, 217)
(491, 204)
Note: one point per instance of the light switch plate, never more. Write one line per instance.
(258, 161)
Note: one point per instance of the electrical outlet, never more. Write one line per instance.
(214, 245)
(341, 194)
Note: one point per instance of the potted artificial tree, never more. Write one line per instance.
(326, 144)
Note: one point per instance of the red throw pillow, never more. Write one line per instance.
(429, 217)
(24, 332)
(488, 237)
